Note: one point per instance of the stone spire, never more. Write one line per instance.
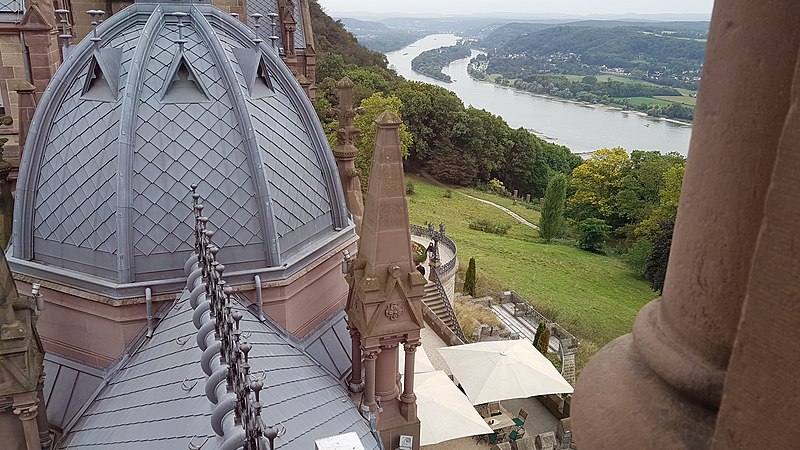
(385, 302)
(21, 367)
(345, 153)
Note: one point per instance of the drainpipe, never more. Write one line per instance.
(26, 57)
(259, 298)
(148, 299)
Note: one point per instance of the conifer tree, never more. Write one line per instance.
(469, 278)
(551, 224)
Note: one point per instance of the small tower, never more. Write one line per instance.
(385, 302)
(21, 368)
(345, 153)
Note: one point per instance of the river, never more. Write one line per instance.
(582, 128)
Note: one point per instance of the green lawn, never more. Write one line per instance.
(595, 297)
(518, 207)
(645, 101)
(682, 99)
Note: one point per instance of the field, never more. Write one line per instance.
(682, 99)
(645, 101)
(594, 296)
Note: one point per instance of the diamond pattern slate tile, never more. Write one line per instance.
(76, 199)
(180, 144)
(144, 406)
(293, 171)
(12, 6)
(271, 6)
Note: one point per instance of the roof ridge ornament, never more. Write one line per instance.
(250, 432)
(96, 20)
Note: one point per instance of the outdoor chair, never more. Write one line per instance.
(523, 415)
(495, 438)
(494, 409)
(516, 434)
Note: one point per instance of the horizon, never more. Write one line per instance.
(511, 9)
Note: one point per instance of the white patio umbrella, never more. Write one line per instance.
(421, 361)
(444, 412)
(499, 370)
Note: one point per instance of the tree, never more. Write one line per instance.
(598, 179)
(643, 178)
(543, 343)
(668, 198)
(551, 224)
(593, 233)
(539, 331)
(656, 269)
(372, 107)
(470, 278)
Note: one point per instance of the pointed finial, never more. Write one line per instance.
(64, 36)
(180, 41)
(96, 19)
(388, 119)
(256, 19)
(274, 24)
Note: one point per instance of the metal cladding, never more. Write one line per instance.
(194, 383)
(159, 92)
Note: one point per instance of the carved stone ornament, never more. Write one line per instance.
(393, 311)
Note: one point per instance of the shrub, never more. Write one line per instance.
(470, 278)
(448, 194)
(593, 233)
(488, 226)
(420, 252)
(656, 267)
(409, 188)
(637, 255)
(494, 186)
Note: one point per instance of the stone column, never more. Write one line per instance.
(25, 408)
(386, 374)
(760, 401)
(674, 366)
(370, 355)
(45, 438)
(408, 401)
(356, 383)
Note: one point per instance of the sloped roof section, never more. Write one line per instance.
(157, 400)
(265, 7)
(104, 180)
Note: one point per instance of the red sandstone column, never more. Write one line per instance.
(26, 410)
(674, 368)
(386, 374)
(409, 399)
(370, 355)
(356, 384)
(760, 403)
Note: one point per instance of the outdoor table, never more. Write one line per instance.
(500, 422)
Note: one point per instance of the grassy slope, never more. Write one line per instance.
(593, 296)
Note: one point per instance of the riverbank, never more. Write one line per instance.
(608, 107)
(579, 127)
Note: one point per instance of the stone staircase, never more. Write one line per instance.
(433, 301)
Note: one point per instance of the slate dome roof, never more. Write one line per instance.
(152, 103)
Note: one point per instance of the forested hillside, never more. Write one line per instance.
(455, 144)
(431, 62)
(655, 56)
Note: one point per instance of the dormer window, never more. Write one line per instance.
(102, 78)
(254, 70)
(182, 85)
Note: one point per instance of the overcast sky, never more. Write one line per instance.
(566, 7)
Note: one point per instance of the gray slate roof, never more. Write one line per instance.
(265, 7)
(157, 400)
(12, 5)
(103, 185)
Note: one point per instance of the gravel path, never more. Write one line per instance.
(504, 209)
